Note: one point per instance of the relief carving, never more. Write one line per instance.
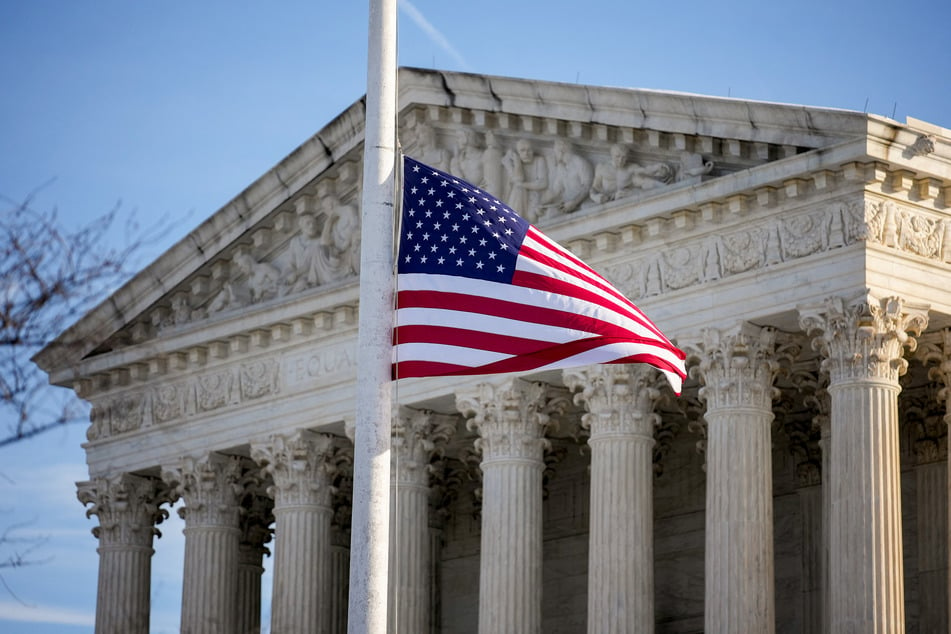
(804, 234)
(168, 402)
(618, 178)
(467, 162)
(681, 267)
(742, 251)
(214, 390)
(177, 400)
(259, 378)
(570, 178)
(919, 235)
(528, 179)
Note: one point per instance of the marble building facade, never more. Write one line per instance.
(801, 257)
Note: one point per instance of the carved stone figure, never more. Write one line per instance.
(304, 250)
(262, 278)
(426, 149)
(692, 165)
(492, 172)
(467, 161)
(339, 256)
(610, 176)
(528, 179)
(571, 180)
(650, 176)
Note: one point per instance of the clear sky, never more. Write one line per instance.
(170, 109)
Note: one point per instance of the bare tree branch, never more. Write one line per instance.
(50, 276)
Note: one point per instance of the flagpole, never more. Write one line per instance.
(369, 541)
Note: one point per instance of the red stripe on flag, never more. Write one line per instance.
(555, 286)
(523, 313)
(595, 280)
(522, 363)
(463, 337)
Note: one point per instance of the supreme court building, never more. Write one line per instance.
(801, 257)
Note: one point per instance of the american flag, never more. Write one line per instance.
(482, 291)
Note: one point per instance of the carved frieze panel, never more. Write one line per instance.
(179, 399)
(784, 238)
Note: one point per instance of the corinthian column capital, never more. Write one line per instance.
(511, 418)
(864, 337)
(620, 399)
(210, 486)
(737, 366)
(416, 436)
(127, 507)
(301, 465)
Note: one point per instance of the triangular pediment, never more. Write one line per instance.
(288, 246)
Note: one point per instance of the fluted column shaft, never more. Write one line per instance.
(865, 522)
(255, 520)
(932, 493)
(340, 574)
(250, 569)
(511, 429)
(127, 508)
(810, 505)
(620, 401)
(415, 435)
(210, 488)
(862, 341)
(737, 368)
(301, 469)
(935, 523)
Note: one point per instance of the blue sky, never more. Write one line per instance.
(169, 109)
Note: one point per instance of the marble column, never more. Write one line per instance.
(934, 489)
(416, 434)
(340, 575)
(127, 507)
(737, 369)
(862, 342)
(511, 421)
(255, 533)
(301, 468)
(620, 415)
(809, 444)
(210, 488)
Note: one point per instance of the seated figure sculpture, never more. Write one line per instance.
(467, 161)
(262, 278)
(302, 270)
(571, 180)
(528, 179)
(339, 255)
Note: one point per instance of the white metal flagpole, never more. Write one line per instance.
(369, 541)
